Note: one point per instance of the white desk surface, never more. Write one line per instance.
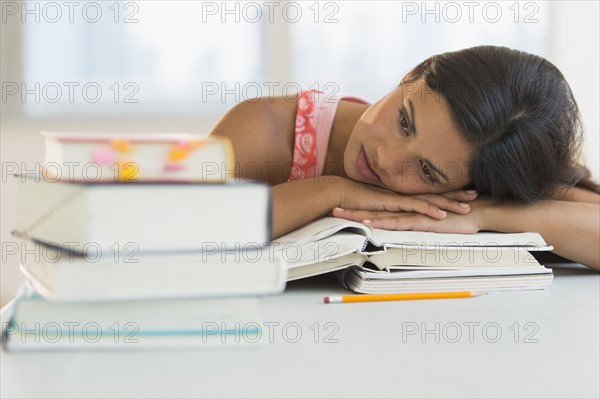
(370, 358)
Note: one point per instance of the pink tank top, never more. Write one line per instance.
(314, 118)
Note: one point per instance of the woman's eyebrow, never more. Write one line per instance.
(414, 131)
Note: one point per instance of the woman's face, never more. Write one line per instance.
(407, 142)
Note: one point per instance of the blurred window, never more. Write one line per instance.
(108, 57)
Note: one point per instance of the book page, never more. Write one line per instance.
(349, 260)
(322, 228)
(428, 240)
(362, 282)
(327, 249)
(454, 258)
(435, 274)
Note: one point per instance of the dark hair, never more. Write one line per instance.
(518, 112)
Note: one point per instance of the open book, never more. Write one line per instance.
(374, 260)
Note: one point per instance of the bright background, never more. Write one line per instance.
(164, 66)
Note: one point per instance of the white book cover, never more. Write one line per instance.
(147, 217)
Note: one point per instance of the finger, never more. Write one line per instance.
(405, 222)
(359, 215)
(418, 222)
(461, 195)
(419, 205)
(448, 204)
(347, 214)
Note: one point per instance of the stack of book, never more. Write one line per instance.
(137, 241)
(374, 261)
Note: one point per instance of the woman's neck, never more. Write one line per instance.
(347, 115)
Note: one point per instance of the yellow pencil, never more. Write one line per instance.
(399, 297)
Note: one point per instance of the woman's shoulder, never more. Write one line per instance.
(262, 133)
(265, 111)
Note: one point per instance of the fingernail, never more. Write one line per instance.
(462, 204)
(471, 192)
(366, 221)
(444, 213)
(337, 208)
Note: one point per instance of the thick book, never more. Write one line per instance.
(121, 157)
(59, 275)
(373, 260)
(34, 324)
(144, 216)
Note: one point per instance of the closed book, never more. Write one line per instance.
(37, 324)
(366, 281)
(59, 275)
(145, 217)
(114, 157)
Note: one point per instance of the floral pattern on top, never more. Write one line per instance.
(304, 164)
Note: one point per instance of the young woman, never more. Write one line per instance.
(485, 138)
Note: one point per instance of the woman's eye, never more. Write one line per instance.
(427, 172)
(404, 123)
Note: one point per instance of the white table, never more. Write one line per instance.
(555, 355)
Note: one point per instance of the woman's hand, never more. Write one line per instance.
(467, 223)
(375, 201)
(300, 202)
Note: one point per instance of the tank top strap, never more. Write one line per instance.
(314, 119)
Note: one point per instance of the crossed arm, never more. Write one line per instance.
(570, 222)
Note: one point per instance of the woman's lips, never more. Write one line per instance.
(364, 168)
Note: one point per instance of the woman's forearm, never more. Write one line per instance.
(572, 228)
(300, 202)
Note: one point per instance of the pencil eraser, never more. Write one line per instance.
(326, 299)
